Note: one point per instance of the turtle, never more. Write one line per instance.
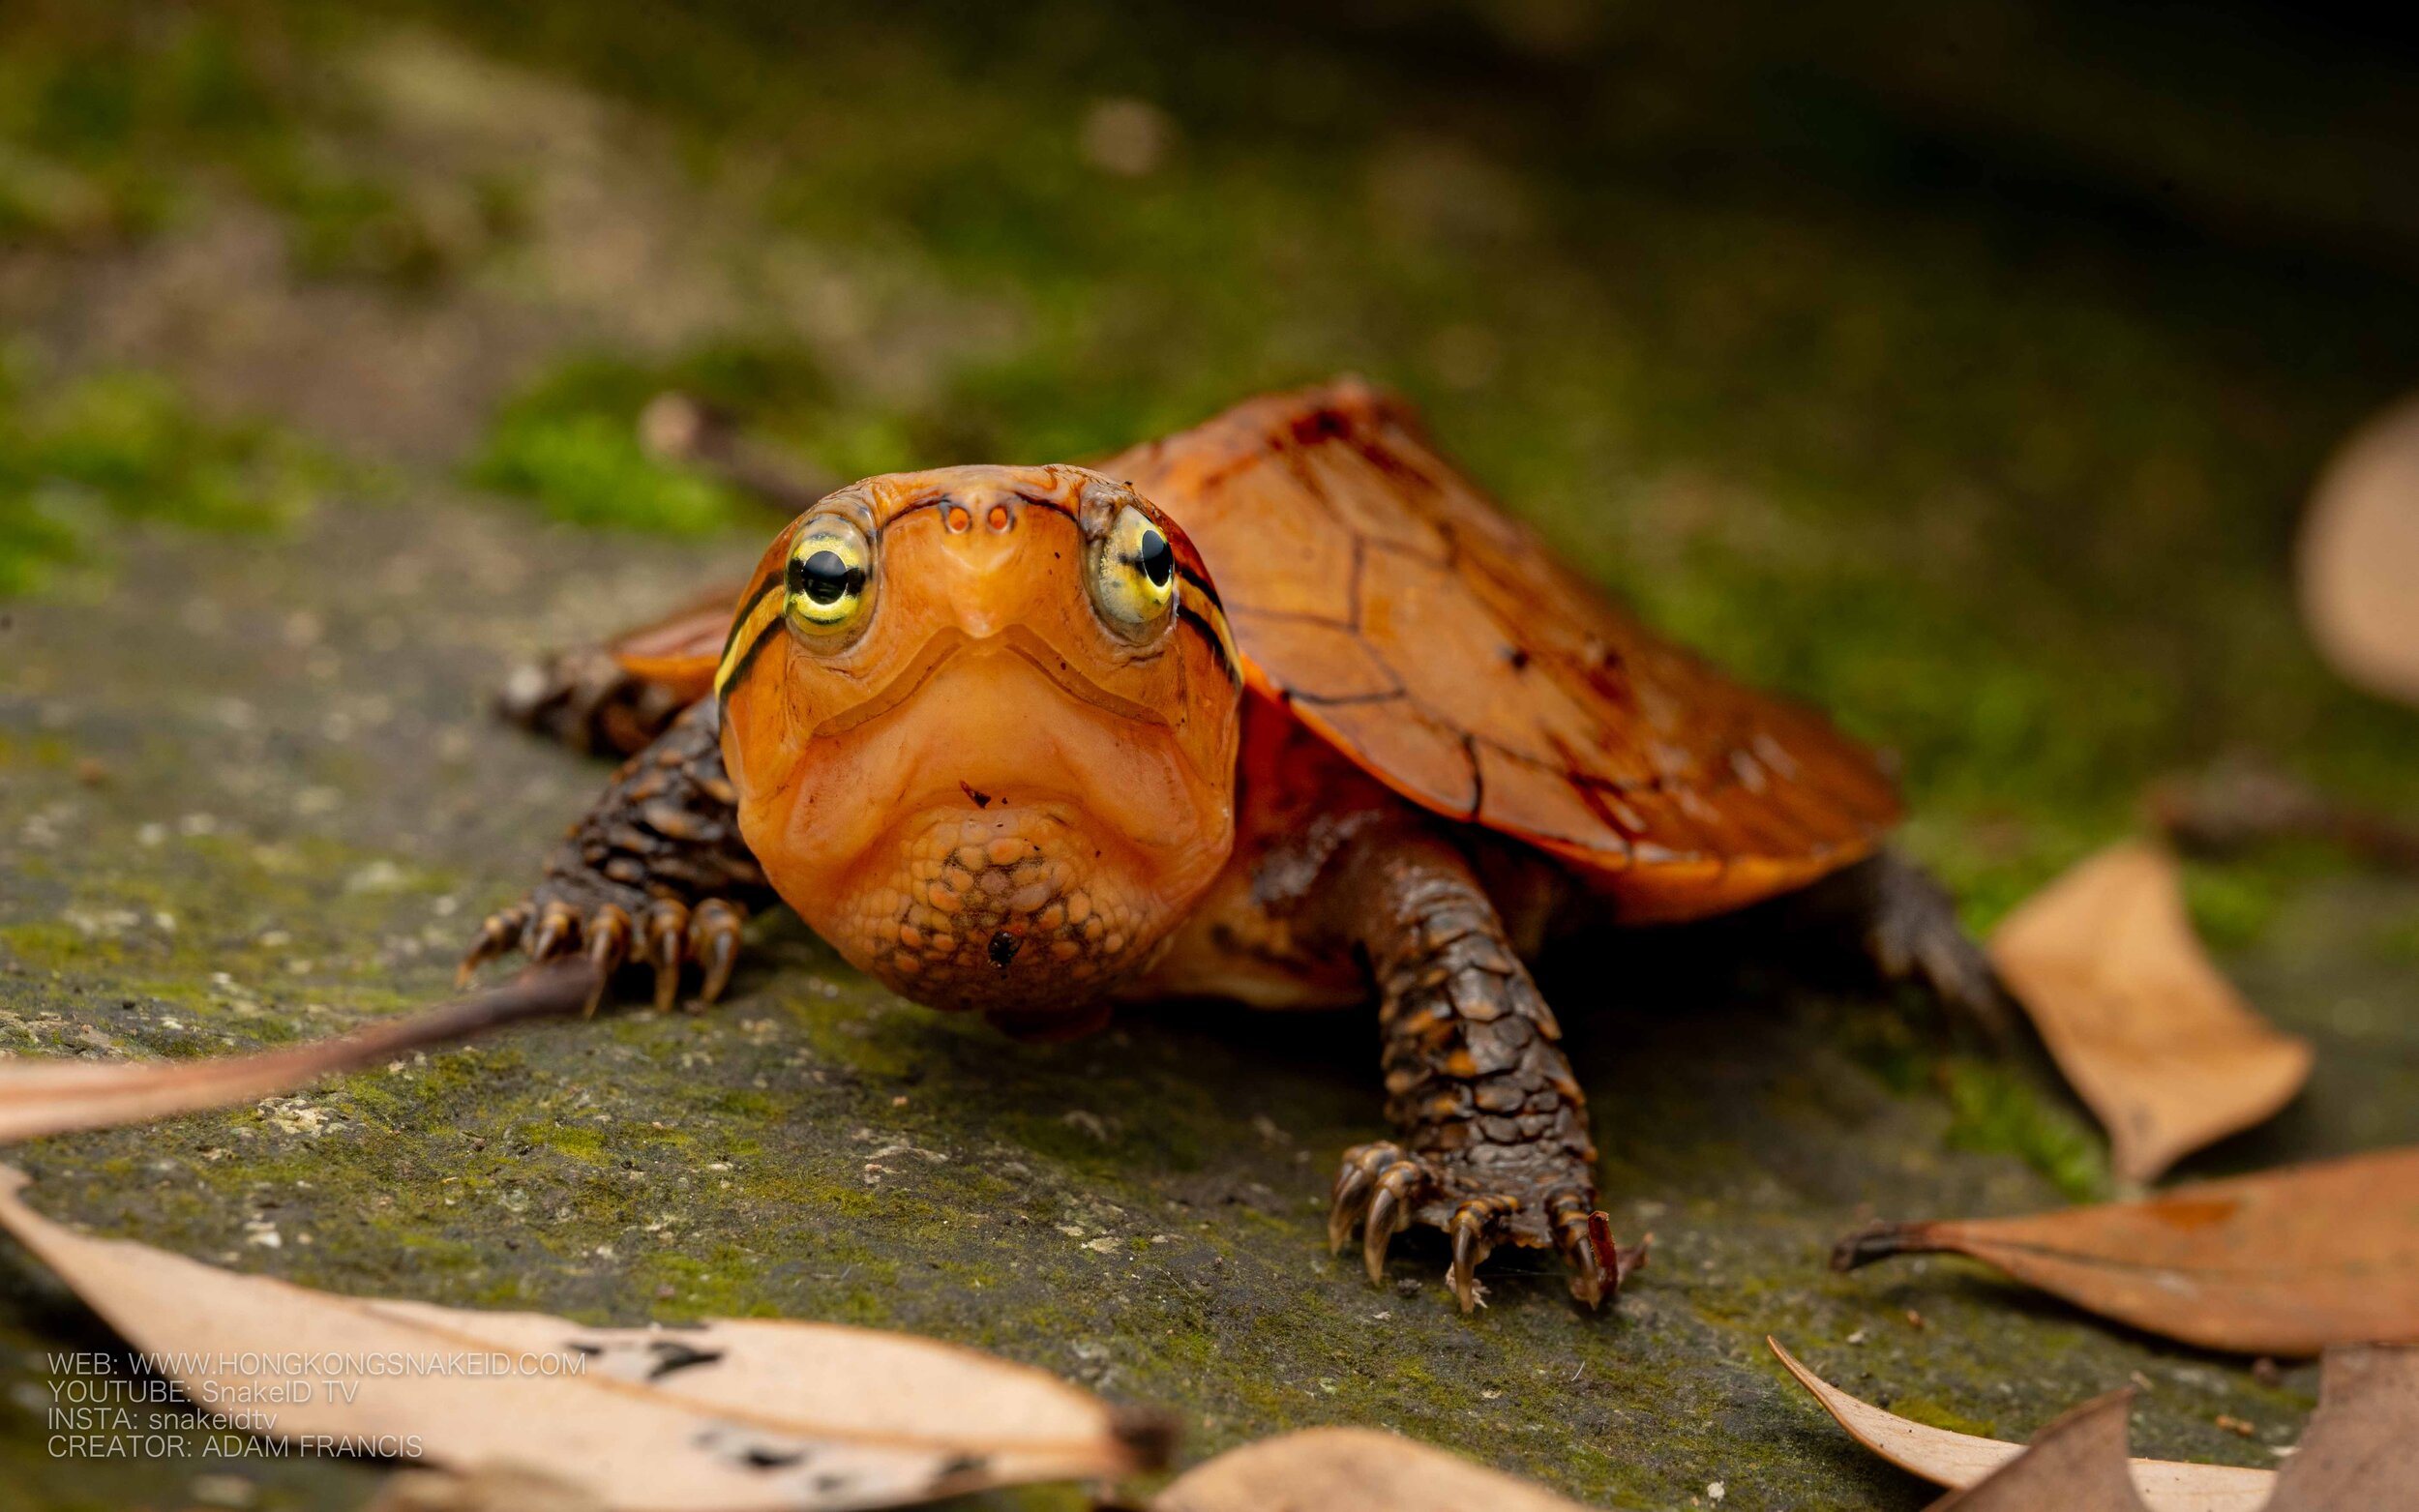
(1281, 709)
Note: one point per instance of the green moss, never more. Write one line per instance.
(113, 118)
(2231, 906)
(580, 1141)
(569, 441)
(1996, 1109)
(1924, 1410)
(81, 459)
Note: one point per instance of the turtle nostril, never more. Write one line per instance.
(957, 519)
(998, 519)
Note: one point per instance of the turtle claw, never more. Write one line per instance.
(1353, 1182)
(500, 933)
(1382, 1188)
(714, 941)
(558, 931)
(1389, 1213)
(666, 940)
(1477, 1225)
(1378, 1189)
(663, 938)
(1598, 1265)
(609, 946)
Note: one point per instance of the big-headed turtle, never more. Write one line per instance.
(1280, 709)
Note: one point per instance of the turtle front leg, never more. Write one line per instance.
(1493, 1147)
(656, 872)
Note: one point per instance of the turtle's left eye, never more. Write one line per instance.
(1133, 576)
(828, 574)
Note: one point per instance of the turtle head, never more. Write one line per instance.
(982, 724)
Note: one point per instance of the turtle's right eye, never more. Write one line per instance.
(830, 569)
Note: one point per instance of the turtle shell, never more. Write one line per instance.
(682, 650)
(1404, 617)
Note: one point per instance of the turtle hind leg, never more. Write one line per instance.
(1907, 925)
(656, 874)
(1493, 1147)
(586, 700)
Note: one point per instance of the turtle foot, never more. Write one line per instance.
(663, 934)
(1382, 1189)
(655, 873)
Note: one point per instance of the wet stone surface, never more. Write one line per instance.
(251, 795)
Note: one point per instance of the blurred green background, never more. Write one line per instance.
(1961, 367)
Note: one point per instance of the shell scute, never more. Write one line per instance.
(1432, 638)
(680, 650)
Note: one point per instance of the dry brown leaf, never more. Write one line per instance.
(40, 1097)
(723, 1417)
(490, 1490)
(1350, 1469)
(2075, 1465)
(2284, 1263)
(2161, 1046)
(2360, 557)
(1961, 1460)
(2361, 1451)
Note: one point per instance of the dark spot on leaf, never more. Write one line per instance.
(1517, 656)
(670, 1357)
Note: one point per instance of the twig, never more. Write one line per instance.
(2241, 802)
(676, 427)
(40, 1097)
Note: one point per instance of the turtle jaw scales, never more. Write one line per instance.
(1018, 911)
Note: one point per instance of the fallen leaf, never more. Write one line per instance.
(1349, 1469)
(2283, 1263)
(2075, 1464)
(40, 1097)
(2156, 1041)
(490, 1490)
(1961, 1460)
(728, 1416)
(2361, 1450)
(2359, 554)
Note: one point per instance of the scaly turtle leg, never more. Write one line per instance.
(1494, 1146)
(656, 872)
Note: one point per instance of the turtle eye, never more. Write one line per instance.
(830, 567)
(1133, 576)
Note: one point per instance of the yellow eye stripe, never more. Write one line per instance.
(822, 586)
(762, 615)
